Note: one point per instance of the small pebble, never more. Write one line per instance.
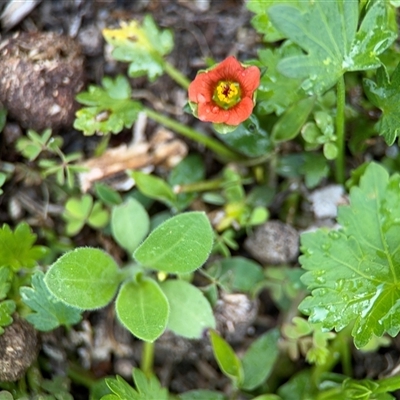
(18, 349)
(273, 243)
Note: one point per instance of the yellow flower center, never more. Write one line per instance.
(227, 94)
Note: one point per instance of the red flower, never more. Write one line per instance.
(225, 93)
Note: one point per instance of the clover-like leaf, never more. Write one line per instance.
(354, 272)
(17, 249)
(384, 94)
(327, 32)
(110, 108)
(49, 312)
(142, 45)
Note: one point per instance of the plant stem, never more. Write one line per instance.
(80, 375)
(199, 186)
(340, 121)
(190, 133)
(176, 75)
(147, 358)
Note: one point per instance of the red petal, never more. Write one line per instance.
(201, 89)
(240, 112)
(249, 80)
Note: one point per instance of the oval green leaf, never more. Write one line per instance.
(227, 360)
(179, 245)
(129, 224)
(143, 309)
(85, 278)
(260, 359)
(190, 312)
(291, 122)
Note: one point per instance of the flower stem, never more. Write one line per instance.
(190, 133)
(146, 364)
(340, 121)
(176, 75)
(199, 186)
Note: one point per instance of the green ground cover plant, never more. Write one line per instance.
(343, 294)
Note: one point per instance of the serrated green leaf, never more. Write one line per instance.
(49, 313)
(190, 312)
(327, 32)
(143, 309)
(261, 21)
(85, 278)
(384, 94)
(121, 389)
(259, 359)
(129, 224)
(110, 108)
(141, 45)
(7, 308)
(149, 387)
(227, 360)
(276, 91)
(17, 249)
(179, 245)
(352, 272)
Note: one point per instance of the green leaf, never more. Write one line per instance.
(315, 168)
(259, 359)
(3, 118)
(201, 394)
(190, 312)
(299, 387)
(179, 245)
(191, 169)
(327, 32)
(248, 138)
(384, 94)
(238, 273)
(85, 278)
(17, 249)
(107, 195)
(129, 224)
(4, 282)
(7, 308)
(147, 388)
(98, 217)
(110, 109)
(290, 123)
(143, 46)
(143, 309)
(49, 313)
(276, 91)
(154, 187)
(353, 272)
(227, 360)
